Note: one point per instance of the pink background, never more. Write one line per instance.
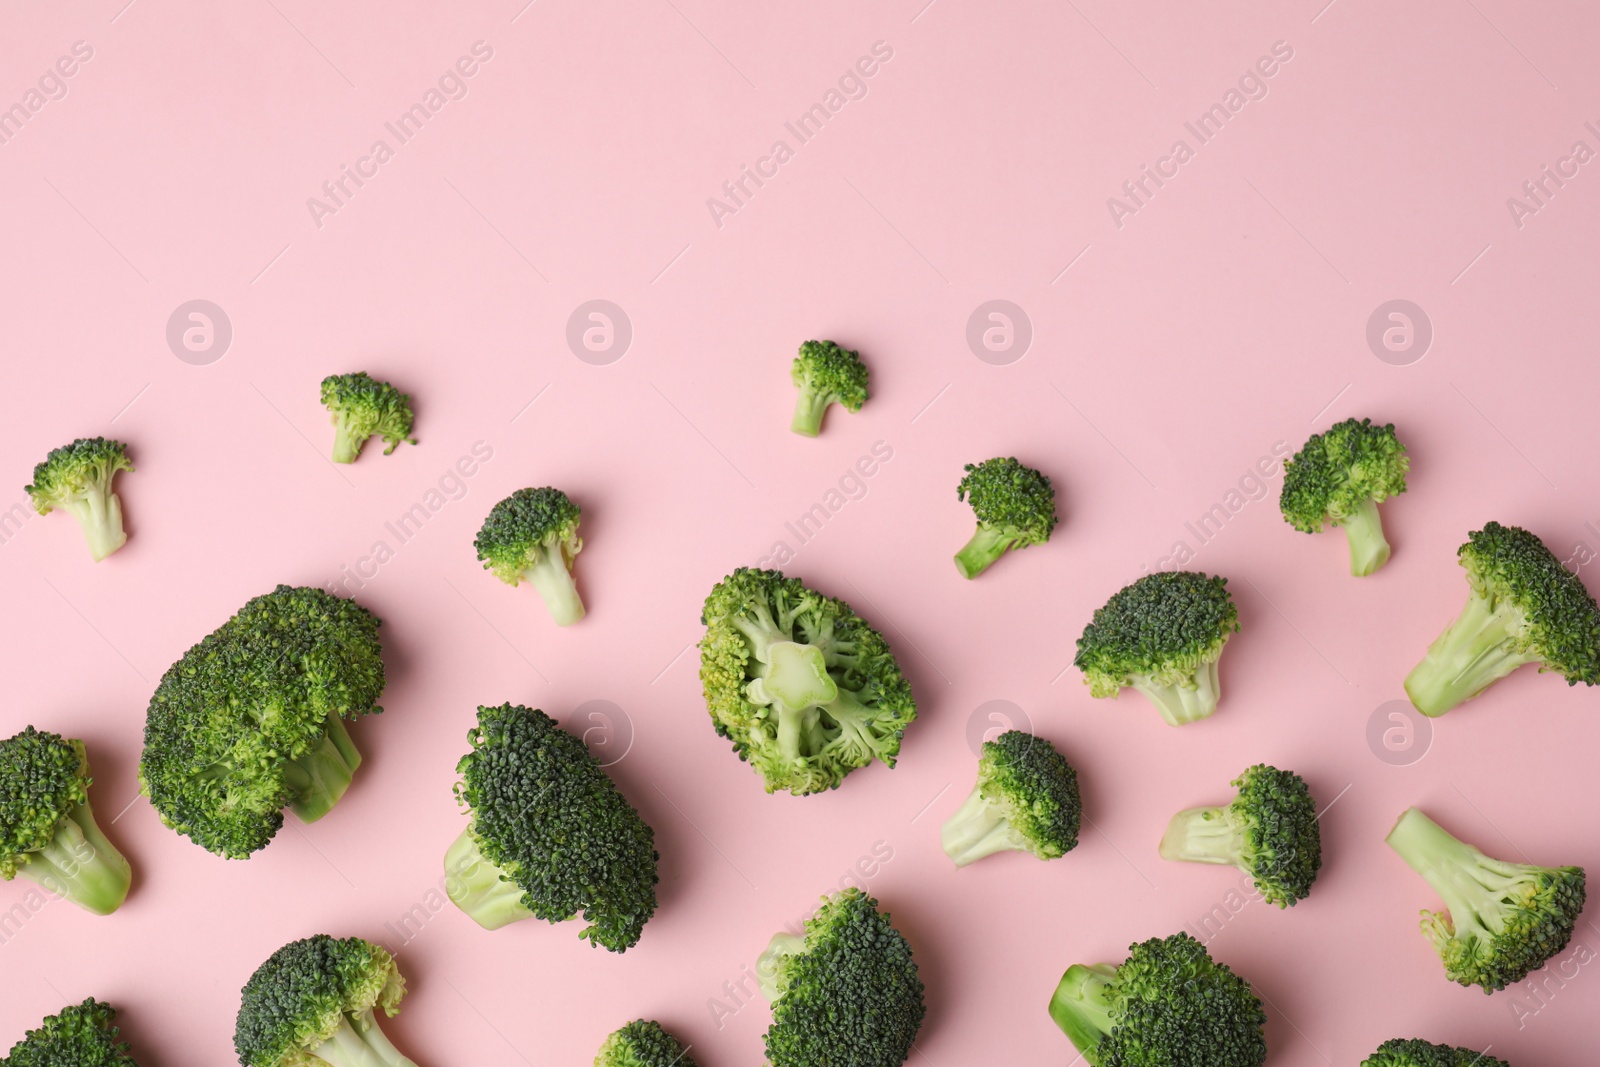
(1225, 318)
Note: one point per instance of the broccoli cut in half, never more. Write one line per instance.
(1522, 607)
(1270, 832)
(1168, 1003)
(1410, 1052)
(643, 1043)
(1502, 920)
(77, 479)
(251, 720)
(1026, 800)
(79, 1035)
(314, 1000)
(826, 374)
(1163, 636)
(551, 834)
(1015, 507)
(1339, 478)
(532, 536)
(804, 689)
(845, 994)
(364, 407)
(47, 829)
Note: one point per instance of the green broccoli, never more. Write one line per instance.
(1502, 920)
(1270, 832)
(313, 1001)
(1167, 1005)
(1026, 800)
(643, 1043)
(47, 829)
(1523, 607)
(846, 994)
(550, 836)
(826, 374)
(79, 1035)
(1339, 478)
(1162, 635)
(251, 719)
(532, 536)
(363, 407)
(802, 686)
(77, 478)
(1015, 506)
(1404, 1052)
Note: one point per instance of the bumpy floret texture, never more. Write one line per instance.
(302, 994)
(1010, 498)
(1270, 831)
(1162, 628)
(77, 479)
(1026, 799)
(42, 776)
(82, 1035)
(1559, 621)
(523, 528)
(363, 407)
(1340, 470)
(643, 1043)
(1410, 1052)
(825, 374)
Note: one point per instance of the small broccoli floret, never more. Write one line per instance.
(806, 690)
(364, 407)
(1169, 1004)
(1523, 607)
(77, 479)
(313, 1000)
(80, 1035)
(1269, 832)
(1339, 478)
(1163, 636)
(826, 374)
(1026, 800)
(550, 836)
(1501, 920)
(846, 994)
(1015, 506)
(643, 1043)
(1409, 1052)
(532, 536)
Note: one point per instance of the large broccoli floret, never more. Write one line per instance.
(1026, 800)
(1523, 607)
(1409, 1052)
(550, 836)
(363, 407)
(1169, 1004)
(846, 994)
(80, 1035)
(1270, 832)
(806, 690)
(313, 1001)
(47, 829)
(77, 479)
(1015, 506)
(826, 374)
(1162, 635)
(532, 536)
(1501, 920)
(251, 720)
(1339, 478)
(643, 1043)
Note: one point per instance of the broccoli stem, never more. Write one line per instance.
(347, 440)
(794, 681)
(768, 963)
(986, 546)
(808, 411)
(976, 830)
(99, 512)
(1079, 1006)
(1474, 652)
(1182, 704)
(1369, 549)
(1474, 887)
(1203, 835)
(81, 865)
(480, 888)
(553, 581)
(360, 1042)
(321, 776)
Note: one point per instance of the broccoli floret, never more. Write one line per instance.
(363, 407)
(826, 374)
(1026, 800)
(532, 536)
(550, 836)
(251, 719)
(77, 478)
(79, 1035)
(846, 994)
(1269, 832)
(1409, 1052)
(806, 690)
(1523, 607)
(47, 829)
(1015, 506)
(1501, 920)
(643, 1043)
(1339, 478)
(1162, 635)
(1169, 1004)
(314, 1000)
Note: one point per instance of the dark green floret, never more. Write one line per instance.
(364, 407)
(1270, 831)
(80, 1035)
(532, 536)
(1409, 1052)
(1339, 478)
(826, 374)
(1015, 507)
(77, 479)
(643, 1043)
(1026, 800)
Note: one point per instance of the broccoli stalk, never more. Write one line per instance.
(1369, 549)
(1025, 800)
(361, 407)
(1015, 507)
(478, 887)
(77, 479)
(359, 1041)
(1081, 1005)
(321, 776)
(81, 865)
(532, 536)
(1188, 698)
(825, 374)
(1476, 650)
(1269, 831)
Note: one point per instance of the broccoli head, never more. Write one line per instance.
(79, 1035)
(364, 407)
(643, 1043)
(1269, 832)
(550, 836)
(1339, 478)
(1169, 1004)
(1015, 506)
(532, 536)
(826, 374)
(806, 690)
(251, 719)
(1163, 636)
(846, 994)
(1501, 920)
(1026, 800)
(77, 479)
(1523, 606)
(1409, 1052)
